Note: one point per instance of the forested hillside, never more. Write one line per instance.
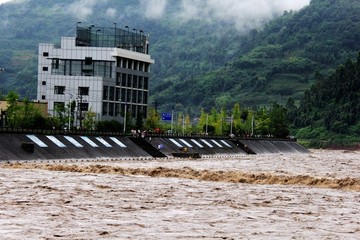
(279, 61)
(330, 110)
(205, 56)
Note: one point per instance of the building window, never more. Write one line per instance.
(112, 94)
(105, 109)
(146, 82)
(147, 67)
(55, 63)
(111, 109)
(135, 81)
(88, 60)
(118, 78)
(106, 93)
(43, 83)
(117, 94)
(140, 82)
(59, 90)
(129, 82)
(117, 109)
(123, 79)
(43, 97)
(45, 69)
(84, 106)
(84, 91)
(45, 54)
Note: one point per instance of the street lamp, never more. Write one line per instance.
(115, 34)
(71, 95)
(134, 43)
(127, 38)
(97, 39)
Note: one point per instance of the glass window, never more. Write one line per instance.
(55, 63)
(45, 54)
(117, 94)
(83, 91)
(112, 94)
(106, 93)
(43, 82)
(147, 67)
(123, 79)
(123, 94)
(129, 82)
(145, 97)
(45, 69)
(76, 68)
(124, 63)
(146, 80)
(117, 109)
(59, 90)
(118, 79)
(111, 109)
(135, 81)
(140, 81)
(140, 96)
(134, 93)
(105, 109)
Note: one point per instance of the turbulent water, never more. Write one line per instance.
(274, 196)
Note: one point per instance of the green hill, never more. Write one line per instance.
(278, 62)
(201, 61)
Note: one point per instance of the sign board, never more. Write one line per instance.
(166, 116)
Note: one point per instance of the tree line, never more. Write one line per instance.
(236, 121)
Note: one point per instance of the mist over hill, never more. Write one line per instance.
(207, 53)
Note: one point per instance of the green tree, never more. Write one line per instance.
(89, 121)
(277, 125)
(153, 120)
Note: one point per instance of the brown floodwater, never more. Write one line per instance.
(272, 196)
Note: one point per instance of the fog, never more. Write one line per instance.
(243, 14)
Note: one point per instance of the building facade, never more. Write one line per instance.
(103, 69)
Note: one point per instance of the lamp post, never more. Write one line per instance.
(71, 95)
(127, 40)
(206, 126)
(134, 42)
(97, 38)
(115, 34)
(125, 120)
(141, 41)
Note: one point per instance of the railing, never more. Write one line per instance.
(120, 133)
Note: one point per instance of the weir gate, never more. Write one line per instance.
(23, 146)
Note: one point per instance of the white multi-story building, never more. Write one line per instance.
(105, 70)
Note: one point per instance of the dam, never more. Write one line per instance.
(57, 146)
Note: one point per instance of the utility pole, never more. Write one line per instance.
(80, 109)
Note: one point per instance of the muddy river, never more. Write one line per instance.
(274, 196)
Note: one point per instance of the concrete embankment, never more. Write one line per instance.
(51, 147)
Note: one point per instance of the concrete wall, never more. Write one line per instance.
(48, 147)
